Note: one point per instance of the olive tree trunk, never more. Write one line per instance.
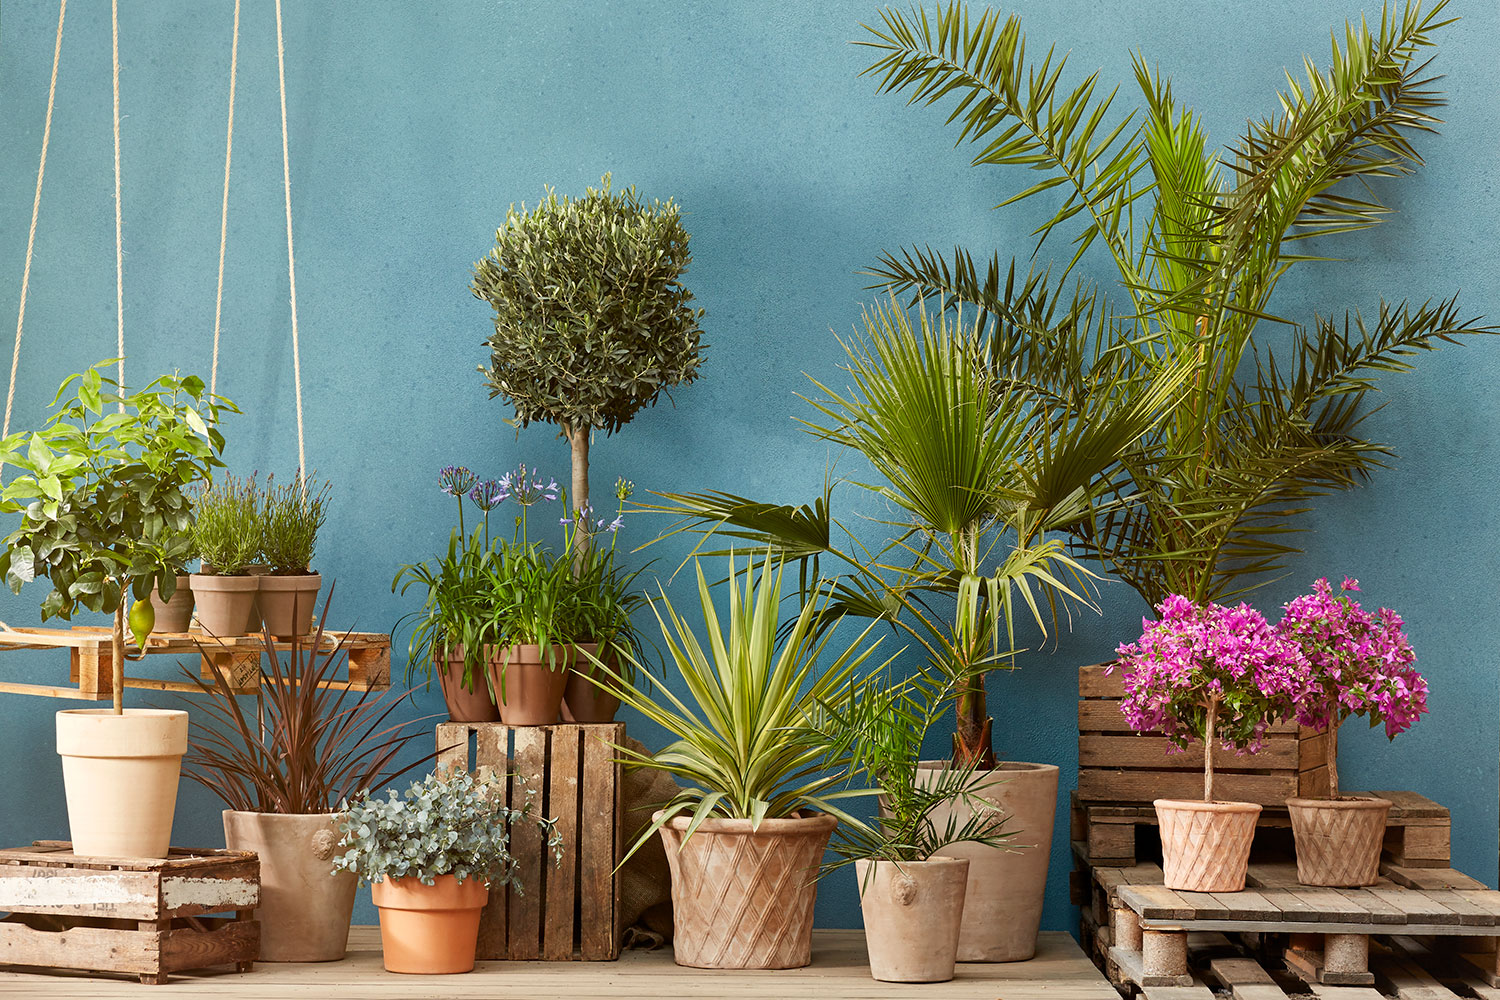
(578, 440)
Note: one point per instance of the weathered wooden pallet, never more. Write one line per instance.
(237, 658)
(146, 917)
(568, 912)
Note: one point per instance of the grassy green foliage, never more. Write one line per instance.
(291, 516)
(229, 530)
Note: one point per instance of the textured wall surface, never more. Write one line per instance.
(413, 126)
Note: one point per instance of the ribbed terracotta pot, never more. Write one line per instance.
(305, 907)
(1003, 902)
(529, 688)
(913, 913)
(225, 603)
(288, 603)
(120, 778)
(584, 701)
(1205, 846)
(464, 705)
(1338, 840)
(743, 899)
(429, 929)
(177, 614)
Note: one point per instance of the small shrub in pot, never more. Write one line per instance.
(228, 532)
(291, 516)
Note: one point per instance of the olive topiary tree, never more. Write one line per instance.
(592, 322)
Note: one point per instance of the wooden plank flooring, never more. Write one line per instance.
(839, 970)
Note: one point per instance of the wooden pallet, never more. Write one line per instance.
(145, 917)
(236, 657)
(1108, 833)
(1117, 765)
(569, 912)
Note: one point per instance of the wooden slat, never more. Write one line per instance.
(452, 739)
(1430, 878)
(492, 752)
(562, 881)
(1105, 785)
(1104, 715)
(597, 847)
(1245, 979)
(101, 948)
(1381, 911)
(1137, 751)
(1155, 902)
(189, 948)
(1248, 905)
(126, 895)
(1405, 981)
(525, 916)
(1410, 805)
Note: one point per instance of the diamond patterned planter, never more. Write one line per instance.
(1338, 840)
(1206, 845)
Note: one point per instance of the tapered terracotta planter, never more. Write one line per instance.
(528, 687)
(1338, 840)
(120, 778)
(177, 614)
(429, 929)
(584, 701)
(305, 907)
(464, 705)
(743, 899)
(913, 913)
(225, 603)
(1007, 885)
(288, 603)
(1205, 846)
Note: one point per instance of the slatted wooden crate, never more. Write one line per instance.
(145, 917)
(1118, 765)
(569, 912)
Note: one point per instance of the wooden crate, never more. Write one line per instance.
(145, 917)
(1118, 765)
(571, 911)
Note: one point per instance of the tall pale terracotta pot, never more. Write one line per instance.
(913, 912)
(1339, 840)
(1205, 846)
(1006, 888)
(743, 898)
(174, 615)
(288, 603)
(584, 701)
(225, 603)
(528, 686)
(305, 907)
(429, 929)
(463, 704)
(120, 778)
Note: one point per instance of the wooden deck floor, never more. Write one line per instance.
(839, 970)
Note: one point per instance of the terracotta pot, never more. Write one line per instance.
(743, 899)
(913, 912)
(305, 908)
(1338, 840)
(1003, 902)
(177, 614)
(464, 705)
(529, 690)
(1205, 846)
(120, 777)
(225, 603)
(583, 701)
(429, 929)
(288, 604)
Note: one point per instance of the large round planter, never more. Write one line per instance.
(913, 912)
(1338, 840)
(429, 929)
(225, 603)
(305, 907)
(120, 777)
(288, 603)
(177, 614)
(743, 898)
(528, 687)
(1205, 846)
(463, 704)
(584, 701)
(1007, 885)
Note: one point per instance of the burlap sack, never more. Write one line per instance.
(645, 881)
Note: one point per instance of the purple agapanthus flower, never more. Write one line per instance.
(489, 494)
(455, 480)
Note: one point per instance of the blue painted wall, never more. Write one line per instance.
(413, 126)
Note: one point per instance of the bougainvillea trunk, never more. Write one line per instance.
(1210, 726)
(1333, 758)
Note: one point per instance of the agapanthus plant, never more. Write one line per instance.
(1359, 664)
(1211, 672)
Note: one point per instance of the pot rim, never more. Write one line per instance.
(217, 581)
(1004, 766)
(277, 816)
(289, 581)
(934, 861)
(1198, 805)
(1352, 802)
(816, 823)
(101, 713)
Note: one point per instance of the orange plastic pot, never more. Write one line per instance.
(429, 930)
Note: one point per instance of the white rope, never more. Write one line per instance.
(291, 260)
(114, 23)
(234, 62)
(36, 207)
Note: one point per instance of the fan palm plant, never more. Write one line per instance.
(1205, 498)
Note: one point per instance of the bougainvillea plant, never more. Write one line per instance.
(1210, 672)
(1360, 664)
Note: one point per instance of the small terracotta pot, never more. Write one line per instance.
(429, 930)
(528, 689)
(288, 604)
(120, 778)
(225, 603)
(1205, 846)
(583, 701)
(305, 906)
(913, 912)
(1338, 840)
(743, 898)
(464, 705)
(177, 614)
